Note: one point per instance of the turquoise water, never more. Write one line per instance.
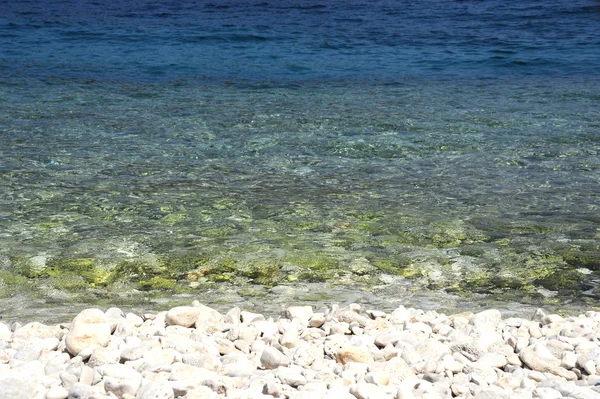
(261, 154)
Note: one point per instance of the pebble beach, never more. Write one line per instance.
(195, 352)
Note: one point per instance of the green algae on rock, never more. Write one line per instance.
(12, 278)
(236, 242)
(587, 259)
(157, 283)
(464, 270)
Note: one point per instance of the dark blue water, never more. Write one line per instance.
(297, 41)
(382, 151)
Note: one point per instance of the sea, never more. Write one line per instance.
(437, 154)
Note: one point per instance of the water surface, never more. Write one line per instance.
(262, 153)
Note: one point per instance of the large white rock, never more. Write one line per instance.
(202, 360)
(432, 350)
(334, 343)
(547, 393)
(491, 360)
(5, 333)
(249, 317)
(378, 377)
(354, 354)
(122, 386)
(15, 385)
(158, 357)
(272, 358)
(570, 389)
(208, 319)
(489, 318)
(118, 371)
(133, 353)
(349, 316)
(80, 391)
(400, 315)
(102, 356)
(239, 366)
(306, 354)
(37, 330)
(289, 338)
(184, 316)
(568, 360)
(364, 390)
(291, 376)
(317, 320)
(155, 390)
(539, 357)
(489, 341)
(57, 392)
(187, 374)
(89, 328)
(399, 370)
(386, 338)
(302, 313)
(114, 316)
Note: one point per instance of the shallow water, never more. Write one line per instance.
(384, 154)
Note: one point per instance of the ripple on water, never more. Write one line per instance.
(480, 190)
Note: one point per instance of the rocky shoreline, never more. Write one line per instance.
(195, 352)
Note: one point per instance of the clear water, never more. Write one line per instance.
(423, 151)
